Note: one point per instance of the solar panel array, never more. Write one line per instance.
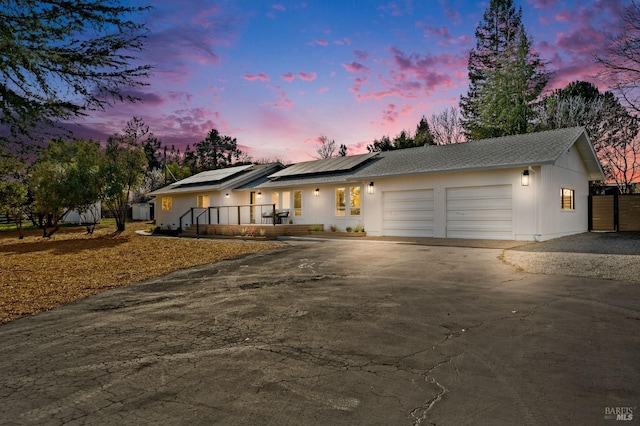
(213, 176)
(329, 165)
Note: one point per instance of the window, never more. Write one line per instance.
(286, 200)
(275, 199)
(354, 201)
(297, 203)
(202, 201)
(341, 202)
(166, 203)
(567, 201)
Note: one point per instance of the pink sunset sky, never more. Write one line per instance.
(277, 75)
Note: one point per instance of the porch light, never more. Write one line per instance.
(316, 192)
(370, 188)
(259, 195)
(226, 195)
(524, 179)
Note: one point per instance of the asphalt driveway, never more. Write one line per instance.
(333, 332)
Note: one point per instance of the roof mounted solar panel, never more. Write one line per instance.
(329, 165)
(212, 176)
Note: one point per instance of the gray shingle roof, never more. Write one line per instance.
(505, 152)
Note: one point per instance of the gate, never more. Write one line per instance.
(614, 212)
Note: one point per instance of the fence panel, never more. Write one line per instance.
(629, 212)
(603, 213)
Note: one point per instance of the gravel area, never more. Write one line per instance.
(614, 256)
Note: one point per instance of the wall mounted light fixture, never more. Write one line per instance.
(316, 192)
(259, 195)
(524, 179)
(370, 188)
(226, 195)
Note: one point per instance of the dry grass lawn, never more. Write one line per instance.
(39, 274)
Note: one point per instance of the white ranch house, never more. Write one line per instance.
(525, 187)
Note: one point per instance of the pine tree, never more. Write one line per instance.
(505, 75)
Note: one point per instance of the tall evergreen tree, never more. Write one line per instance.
(423, 133)
(216, 151)
(505, 75)
(61, 59)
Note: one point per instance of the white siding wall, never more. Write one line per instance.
(568, 172)
(523, 204)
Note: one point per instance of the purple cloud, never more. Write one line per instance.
(253, 77)
(361, 54)
(307, 76)
(355, 67)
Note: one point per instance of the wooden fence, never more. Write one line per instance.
(614, 212)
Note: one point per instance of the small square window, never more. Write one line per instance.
(567, 199)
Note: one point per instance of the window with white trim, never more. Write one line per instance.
(354, 201)
(202, 201)
(567, 199)
(341, 202)
(297, 203)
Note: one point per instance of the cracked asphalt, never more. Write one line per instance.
(332, 332)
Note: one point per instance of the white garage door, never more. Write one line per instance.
(480, 212)
(408, 213)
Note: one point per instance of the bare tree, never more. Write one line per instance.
(621, 60)
(327, 148)
(446, 127)
(614, 133)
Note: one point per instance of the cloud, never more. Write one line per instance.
(355, 67)
(288, 77)
(174, 42)
(279, 7)
(283, 102)
(543, 4)
(391, 113)
(393, 9)
(437, 32)
(345, 40)
(361, 54)
(321, 42)
(307, 76)
(322, 90)
(253, 77)
(452, 14)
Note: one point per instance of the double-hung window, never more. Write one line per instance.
(567, 199)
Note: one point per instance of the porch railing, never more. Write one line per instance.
(228, 215)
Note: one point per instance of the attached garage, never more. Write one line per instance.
(480, 212)
(408, 213)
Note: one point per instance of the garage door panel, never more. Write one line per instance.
(480, 212)
(479, 204)
(408, 213)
